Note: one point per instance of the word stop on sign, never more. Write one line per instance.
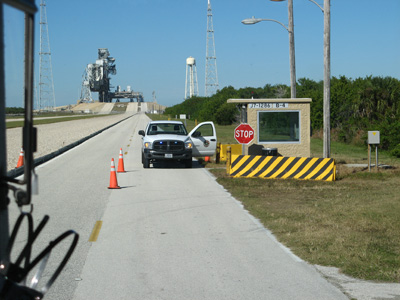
(244, 134)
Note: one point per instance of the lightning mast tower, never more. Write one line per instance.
(211, 58)
(47, 100)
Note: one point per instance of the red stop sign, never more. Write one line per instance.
(244, 133)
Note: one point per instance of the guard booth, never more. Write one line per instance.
(282, 127)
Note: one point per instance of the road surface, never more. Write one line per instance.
(168, 233)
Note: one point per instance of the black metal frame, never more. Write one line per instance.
(29, 132)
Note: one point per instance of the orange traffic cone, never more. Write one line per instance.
(20, 159)
(121, 168)
(113, 177)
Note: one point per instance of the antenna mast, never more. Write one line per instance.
(47, 100)
(211, 58)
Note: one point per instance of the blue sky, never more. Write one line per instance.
(151, 39)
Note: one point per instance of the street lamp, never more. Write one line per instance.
(327, 69)
(289, 29)
(253, 20)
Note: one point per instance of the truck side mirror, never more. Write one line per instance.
(196, 134)
(141, 132)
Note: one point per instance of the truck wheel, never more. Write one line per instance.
(188, 163)
(146, 163)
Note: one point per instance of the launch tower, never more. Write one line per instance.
(96, 78)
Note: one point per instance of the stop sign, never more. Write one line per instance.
(244, 134)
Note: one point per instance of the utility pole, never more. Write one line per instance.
(327, 79)
(211, 85)
(47, 100)
(291, 52)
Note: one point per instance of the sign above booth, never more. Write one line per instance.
(269, 105)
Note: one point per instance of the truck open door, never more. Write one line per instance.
(204, 138)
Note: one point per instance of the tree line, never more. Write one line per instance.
(357, 106)
(14, 110)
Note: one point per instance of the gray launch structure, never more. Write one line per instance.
(97, 79)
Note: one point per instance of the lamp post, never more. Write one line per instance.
(292, 62)
(327, 70)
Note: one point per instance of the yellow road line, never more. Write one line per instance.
(95, 231)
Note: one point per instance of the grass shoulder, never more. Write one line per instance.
(352, 223)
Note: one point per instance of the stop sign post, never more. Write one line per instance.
(244, 134)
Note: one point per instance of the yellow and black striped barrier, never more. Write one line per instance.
(282, 167)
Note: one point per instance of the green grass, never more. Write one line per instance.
(351, 154)
(352, 224)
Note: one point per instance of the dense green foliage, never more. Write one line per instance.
(216, 109)
(14, 110)
(357, 106)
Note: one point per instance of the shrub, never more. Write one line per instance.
(396, 151)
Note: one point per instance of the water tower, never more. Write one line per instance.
(191, 85)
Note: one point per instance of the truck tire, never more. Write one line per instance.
(188, 163)
(145, 162)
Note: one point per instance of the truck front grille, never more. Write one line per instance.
(170, 146)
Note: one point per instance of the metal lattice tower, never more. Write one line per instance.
(211, 58)
(86, 94)
(47, 100)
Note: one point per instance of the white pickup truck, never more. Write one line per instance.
(169, 140)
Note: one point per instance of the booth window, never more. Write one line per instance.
(278, 126)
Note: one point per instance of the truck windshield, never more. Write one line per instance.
(166, 128)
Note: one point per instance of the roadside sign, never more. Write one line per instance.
(244, 134)
(373, 137)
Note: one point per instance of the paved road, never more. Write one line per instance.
(169, 233)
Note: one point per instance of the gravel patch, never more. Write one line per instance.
(52, 137)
